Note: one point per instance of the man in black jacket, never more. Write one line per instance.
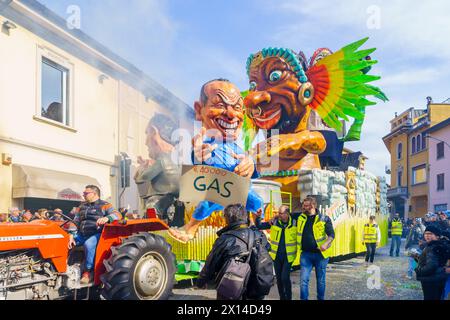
(232, 241)
(431, 264)
(91, 216)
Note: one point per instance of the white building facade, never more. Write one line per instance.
(69, 108)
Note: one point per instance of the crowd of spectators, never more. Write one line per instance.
(428, 248)
(16, 215)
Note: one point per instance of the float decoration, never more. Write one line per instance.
(338, 87)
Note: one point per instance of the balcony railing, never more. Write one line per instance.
(398, 124)
(397, 192)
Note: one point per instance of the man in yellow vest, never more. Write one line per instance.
(283, 247)
(371, 238)
(396, 235)
(315, 234)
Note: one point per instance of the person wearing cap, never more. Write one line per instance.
(396, 227)
(431, 270)
(41, 214)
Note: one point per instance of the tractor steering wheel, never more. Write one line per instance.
(68, 219)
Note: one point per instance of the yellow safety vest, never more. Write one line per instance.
(370, 233)
(290, 240)
(318, 230)
(396, 228)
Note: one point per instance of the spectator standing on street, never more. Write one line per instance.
(315, 234)
(3, 218)
(283, 247)
(14, 215)
(444, 223)
(41, 214)
(232, 241)
(413, 239)
(396, 227)
(92, 216)
(431, 271)
(27, 217)
(371, 238)
(57, 215)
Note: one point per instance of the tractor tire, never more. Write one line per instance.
(142, 267)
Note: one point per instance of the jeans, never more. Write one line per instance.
(446, 292)
(370, 253)
(308, 260)
(412, 264)
(283, 274)
(395, 242)
(90, 246)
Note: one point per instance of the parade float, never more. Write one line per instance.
(288, 97)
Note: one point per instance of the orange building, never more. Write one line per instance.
(408, 147)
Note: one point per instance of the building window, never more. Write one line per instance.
(440, 182)
(419, 174)
(413, 145)
(440, 207)
(424, 140)
(54, 91)
(418, 143)
(399, 178)
(440, 150)
(399, 150)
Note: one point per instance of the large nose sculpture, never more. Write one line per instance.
(254, 99)
(231, 113)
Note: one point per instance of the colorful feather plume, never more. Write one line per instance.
(340, 86)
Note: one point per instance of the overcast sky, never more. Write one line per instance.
(183, 43)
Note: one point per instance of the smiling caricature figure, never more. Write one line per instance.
(221, 112)
(285, 89)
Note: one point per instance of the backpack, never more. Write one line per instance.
(235, 274)
(262, 277)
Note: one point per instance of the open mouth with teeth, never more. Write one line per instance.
(269, 116)
(228, 127)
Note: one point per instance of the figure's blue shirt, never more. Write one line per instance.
(222, 157)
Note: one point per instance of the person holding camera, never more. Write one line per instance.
(431, 270)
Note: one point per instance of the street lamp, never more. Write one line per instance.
(431, 137)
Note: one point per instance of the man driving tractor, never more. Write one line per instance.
(91, 216)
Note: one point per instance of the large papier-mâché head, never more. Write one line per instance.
(220, 109)
(279, 89)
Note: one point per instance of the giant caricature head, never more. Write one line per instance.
(279, 89)
(159, 135)
(220, 109)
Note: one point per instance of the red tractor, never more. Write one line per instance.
(130, 262)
